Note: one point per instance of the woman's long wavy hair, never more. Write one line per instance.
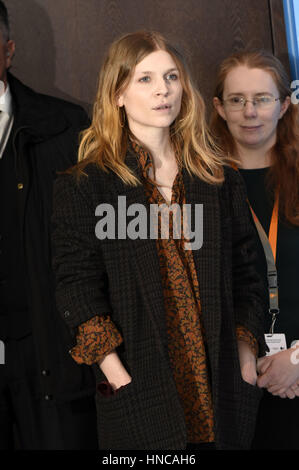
(105, 142)
(284, 171)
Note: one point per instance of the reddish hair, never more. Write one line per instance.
(284, 171)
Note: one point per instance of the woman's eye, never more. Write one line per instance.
(144, 79)
(263, 99)
(236, 99)
(172, 76)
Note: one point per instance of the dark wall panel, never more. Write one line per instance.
(60, 43)
(280, 48)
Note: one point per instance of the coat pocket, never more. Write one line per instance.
(105, 389)
(116, 419)
(249, 389)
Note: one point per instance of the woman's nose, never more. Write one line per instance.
(249, 109)
(162, 88)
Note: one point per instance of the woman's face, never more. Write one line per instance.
(152, 99)
(252, 126)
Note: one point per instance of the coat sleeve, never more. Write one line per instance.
(248, 294)
(81, 280)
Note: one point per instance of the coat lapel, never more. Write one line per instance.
(207, 258)
(145, 256)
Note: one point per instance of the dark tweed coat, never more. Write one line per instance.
(123, 277)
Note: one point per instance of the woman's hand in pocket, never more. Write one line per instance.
(115, 372)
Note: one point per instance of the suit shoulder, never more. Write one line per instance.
(59, 105)
(42, 105)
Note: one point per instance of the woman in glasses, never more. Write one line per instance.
(170, 324)
(256, 123)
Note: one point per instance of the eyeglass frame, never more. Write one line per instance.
(245, 101)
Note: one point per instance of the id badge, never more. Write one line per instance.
(276, 343)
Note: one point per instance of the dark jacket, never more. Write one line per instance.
(45, 138)
(123, 277)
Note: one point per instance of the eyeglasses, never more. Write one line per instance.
(237, 103)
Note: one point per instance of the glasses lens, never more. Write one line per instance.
(264, 101)
(235, 103)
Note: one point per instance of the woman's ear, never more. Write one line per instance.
(219, 107)
(120, 100)
(284, 106)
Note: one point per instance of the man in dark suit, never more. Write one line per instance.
(46, 399)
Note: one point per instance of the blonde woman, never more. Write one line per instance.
(171, 324)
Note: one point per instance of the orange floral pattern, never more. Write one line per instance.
(244, 335)
(95, 338)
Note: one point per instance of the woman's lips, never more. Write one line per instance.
(251, 128)
(162, 107)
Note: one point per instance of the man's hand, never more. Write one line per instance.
(247, 363)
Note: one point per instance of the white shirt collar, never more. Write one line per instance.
(7, 104)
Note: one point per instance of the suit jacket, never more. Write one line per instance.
(44, 140)
(122, 277)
